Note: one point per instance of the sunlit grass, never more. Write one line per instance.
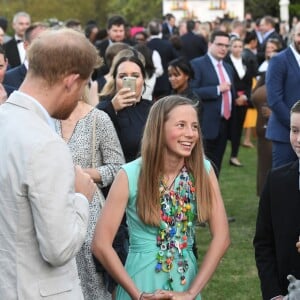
(236, 276)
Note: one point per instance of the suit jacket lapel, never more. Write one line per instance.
(292, 61)
(211, 69)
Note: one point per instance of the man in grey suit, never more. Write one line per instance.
(44, 200)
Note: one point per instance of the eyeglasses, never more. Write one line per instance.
(220, 45)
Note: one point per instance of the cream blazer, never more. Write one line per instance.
(43, 222)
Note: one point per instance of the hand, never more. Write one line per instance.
(155, 296)
(95, 175)
(265, 111)
(84, 184)
(181, 295)
(241, 101)
(224, 87)
(298, 246)
(171, 295)
(123, 99)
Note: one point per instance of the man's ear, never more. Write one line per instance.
(70, 80)
(26, 45)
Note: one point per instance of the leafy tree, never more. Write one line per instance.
(136, 11)
(56, 9)
(260, 8)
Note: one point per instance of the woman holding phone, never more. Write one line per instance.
(121, 99)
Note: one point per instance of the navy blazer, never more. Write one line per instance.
(9, 89)
(14, 77)
(277, 230)
(205, 84)
(193, 45)
(283, 90)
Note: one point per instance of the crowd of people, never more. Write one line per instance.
(137, 121)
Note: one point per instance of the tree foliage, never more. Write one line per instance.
(260, 8)
(41, 10)
(137, 11)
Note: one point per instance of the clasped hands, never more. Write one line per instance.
(163, 294)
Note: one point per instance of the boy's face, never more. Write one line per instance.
(295, 133)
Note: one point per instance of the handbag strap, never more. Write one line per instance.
(100, 196)
(94, 143)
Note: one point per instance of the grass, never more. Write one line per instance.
(236, 276)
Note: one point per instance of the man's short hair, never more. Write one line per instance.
(31, 28)
(250, 36)
(20, 14)
(169, 16)
(51, 61)
(72, 23)
(115, 20)
(216, 33)
(269, 20)
(154, 27)
(296, 107)
(190, 25)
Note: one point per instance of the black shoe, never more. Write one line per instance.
(235, 162)
(230, 219)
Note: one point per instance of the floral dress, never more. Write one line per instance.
(109, 158)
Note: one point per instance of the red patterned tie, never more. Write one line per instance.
(226, 102)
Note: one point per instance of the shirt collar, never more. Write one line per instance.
(296, 54)
(266, 34)
(214, 61)
(26, 63)
(18, 38)
(50, 121)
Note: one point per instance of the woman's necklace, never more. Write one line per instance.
(176, 226)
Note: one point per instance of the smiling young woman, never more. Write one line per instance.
(164, 192)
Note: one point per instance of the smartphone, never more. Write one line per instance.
(129, 82)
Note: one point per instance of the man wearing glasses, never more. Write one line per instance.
(213, 83)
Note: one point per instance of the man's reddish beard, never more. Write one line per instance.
(65, 113)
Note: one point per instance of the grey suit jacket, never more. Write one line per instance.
(43, 222)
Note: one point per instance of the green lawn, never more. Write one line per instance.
(236, 276)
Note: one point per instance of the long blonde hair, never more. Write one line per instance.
(153, 143)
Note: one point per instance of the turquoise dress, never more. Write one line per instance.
(143, 250)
